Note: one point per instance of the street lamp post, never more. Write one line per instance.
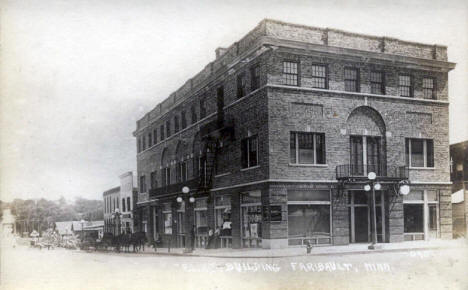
(374, 185)
(191, 233)
(82, 229)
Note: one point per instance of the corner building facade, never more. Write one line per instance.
(276, 136)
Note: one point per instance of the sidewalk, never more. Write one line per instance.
(316, 251)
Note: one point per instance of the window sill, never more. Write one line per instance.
(222, 174)
(422, 168)
(308, 165)
(248, 168)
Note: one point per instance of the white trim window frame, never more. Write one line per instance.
(291, 73)
(427, 163)
(250, 143)
(314, 148)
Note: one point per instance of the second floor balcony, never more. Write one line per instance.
(360, 171)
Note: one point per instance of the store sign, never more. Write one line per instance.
(272, 213)
(251, 197)
(142, 197)
(275, 213)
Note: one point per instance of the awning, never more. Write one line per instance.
(458, 196)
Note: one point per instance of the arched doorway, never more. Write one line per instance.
(366, 130)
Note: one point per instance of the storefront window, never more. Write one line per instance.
(251, 219)
(308, 220)
(201, 219)
(252, 222)
(308, 216)
(223, 214)
(414, 218)
(167, 223)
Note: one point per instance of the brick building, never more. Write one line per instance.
(121, 198)
(276, 136)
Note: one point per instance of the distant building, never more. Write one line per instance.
(8, 222)
(121, 198)
(459, 178)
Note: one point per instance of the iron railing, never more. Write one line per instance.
(346, 171)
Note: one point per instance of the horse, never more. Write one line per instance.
(138, 241)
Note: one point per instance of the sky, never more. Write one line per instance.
(76, 75)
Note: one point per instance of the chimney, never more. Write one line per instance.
(220, 51)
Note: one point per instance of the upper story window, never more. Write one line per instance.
(161, 129)
(123, 205)
(150, 140)
(249, 151)
(155, 136)
(241, 85)
(144, 142)
(429, 88)
(183, 119)
(307, 148)
(168, 128)
(255, 77)
(129, 208)
(405, 86)
(419, 152)
(319, 76)
(290, 73)
(351, 78)
(377, 83)
(142, 184)
(202, 109)
(220, 98)
(139, 145)
(166, 176)
(181, 171)
(193, 112)
(153, 180)
(176, 124)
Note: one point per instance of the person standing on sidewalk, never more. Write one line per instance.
(216, 237)
(209, 244)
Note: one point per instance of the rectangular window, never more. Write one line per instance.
(193, 111)
(129, 208)
(377, 83)
(419, 152)
(155, 136)
(351, 78)
(319, 76)
(405, 86)
(142, 184)
(168, 128)
(176, 124)
(249, 152)
(183, 119)
(307, 148)
(123, 205)
(413, 218)
(139, 145)
(166, 176)
(220, 100)
(202, 109)
(150, 140)
(161, 129)
(154, 181)
(429, 88)
(181, 171)
(255, 77)
(241, 85)
(290, 73)
(144, 142)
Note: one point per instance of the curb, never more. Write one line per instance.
(301, 255)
